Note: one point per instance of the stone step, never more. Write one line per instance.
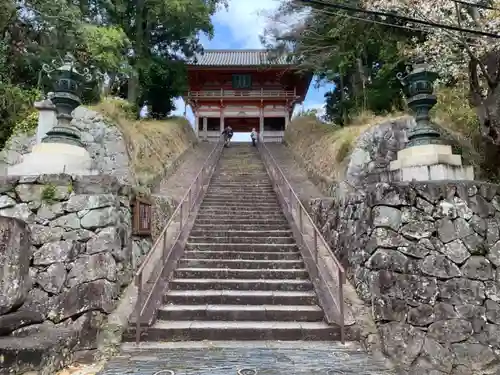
(242, 233)
(251, 221)
(241, 185)
(256, 255)
(218, 201)
(213, 193)
(258, 216)
(241, 190)
(227, 273)
(241, 297)
(235, 169)
(290, 313)
(239, 227)
(240, 247)
(243, 197)
(254, 193)
(242, 179)
(187, 330)
(250, 209)
(240, 284)
(235, 239)
(242, 206)
(241, 263)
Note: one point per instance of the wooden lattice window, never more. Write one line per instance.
(141, 220)
(242, 81)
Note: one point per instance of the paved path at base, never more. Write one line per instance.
(268, 358)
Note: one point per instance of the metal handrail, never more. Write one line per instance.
(143, 274)
(291, 199)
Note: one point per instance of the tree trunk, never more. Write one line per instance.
(133, 82)
(484, 95)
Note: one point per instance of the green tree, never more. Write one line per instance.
(362, 58)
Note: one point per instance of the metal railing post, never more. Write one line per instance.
(164, 250)
(341, 278)
(301, 224)
(139, 308)
(316, 246)
(181, 214)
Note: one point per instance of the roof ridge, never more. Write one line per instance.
(234, 57)
(236, 50)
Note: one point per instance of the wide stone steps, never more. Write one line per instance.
(234, 239)
(229, 201)
(286, 313)
(240, 297)
(238, 210)
(256, 223)
(241, 284)
(243, 215)
(212, 246)
(185, 330)
(242, 233)
(246, 185)
(239, 226)
(254, 255)
(238, 273)
(241, 263)
(243, 190)
(242, 197)
(242, 276)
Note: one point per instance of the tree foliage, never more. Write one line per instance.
(360, 57)
(140, 45)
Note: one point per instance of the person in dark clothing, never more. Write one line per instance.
(253, 135)
(228, 134)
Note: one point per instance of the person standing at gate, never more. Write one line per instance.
(228, 134)
(253, 135)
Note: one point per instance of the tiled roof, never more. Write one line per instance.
(237, 58)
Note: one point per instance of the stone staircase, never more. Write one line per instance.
(242, 276)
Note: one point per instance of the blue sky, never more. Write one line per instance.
(239, 27)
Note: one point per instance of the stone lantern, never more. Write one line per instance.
(425, 156)
(61, 149)
(67, 84)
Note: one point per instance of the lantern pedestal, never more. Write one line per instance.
(54, 158)
(429, 162)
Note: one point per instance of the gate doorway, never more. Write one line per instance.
(242, 124)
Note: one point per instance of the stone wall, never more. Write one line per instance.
(426, 257)
(103, 141)
(72, 272)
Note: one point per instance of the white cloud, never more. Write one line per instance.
(246, 20)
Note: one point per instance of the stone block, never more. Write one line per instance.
(14, 263)
(46, 351)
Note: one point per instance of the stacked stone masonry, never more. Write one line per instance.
(62, 267)
(426, 257)
(104, 142)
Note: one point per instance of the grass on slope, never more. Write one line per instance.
(152, 145)
(324, 148)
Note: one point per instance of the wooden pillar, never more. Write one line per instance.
(196, 122)
(205, 128)
(287, 115)
(261, 122)
(222, 118)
